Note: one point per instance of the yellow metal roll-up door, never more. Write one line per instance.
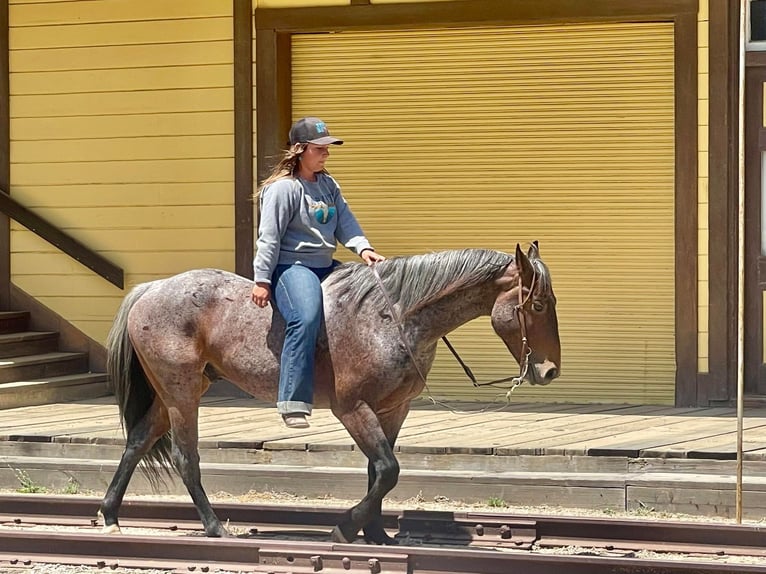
(482, 137)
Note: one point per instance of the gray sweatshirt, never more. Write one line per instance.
(300, 222)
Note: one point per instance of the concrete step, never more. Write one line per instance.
(23, 343)
(687, 493)
(14, 321)
(40, 366)
(57, 389)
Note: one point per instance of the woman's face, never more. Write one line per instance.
(313, 158)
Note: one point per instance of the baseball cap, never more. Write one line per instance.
(312, 130)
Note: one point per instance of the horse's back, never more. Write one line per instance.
(206, 316)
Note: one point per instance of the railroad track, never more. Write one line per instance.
(270, 538)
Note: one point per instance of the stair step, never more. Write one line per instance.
(42, 365)
(14, 321)
(27, 343)
(65, 388)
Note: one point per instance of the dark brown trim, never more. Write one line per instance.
(466, 12)
(243, 137)
(274, 27)
(58, 238)
(5, 158)
(686, 209)
(273, 97)
(722, 204)
(757, 59)
(755, 78)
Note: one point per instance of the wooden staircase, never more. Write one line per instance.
(33, 371)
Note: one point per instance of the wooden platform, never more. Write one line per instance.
(603, 456)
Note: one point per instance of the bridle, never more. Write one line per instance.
(519, 311)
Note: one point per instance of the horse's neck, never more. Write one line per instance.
(451, 311)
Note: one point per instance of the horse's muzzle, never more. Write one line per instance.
(543, 373)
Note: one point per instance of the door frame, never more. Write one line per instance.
(755, 262)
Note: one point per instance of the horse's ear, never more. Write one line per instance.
(534, 250)
(525, 267)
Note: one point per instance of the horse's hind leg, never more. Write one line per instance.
(186, 459)
(375, 437)
(140, 440)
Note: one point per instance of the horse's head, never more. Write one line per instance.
(524, 316)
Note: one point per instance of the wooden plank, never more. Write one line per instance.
(605, 424)
(333, 434)
(126, 102)
(168, 216)
(122, 33)
(40, 421)
(521, 426)
(125, 240)
(115, 126)
(686, 208)
(123, 195)
(122, 149)
(228, 421)
(243, 137)
(482, 430)
(92, 11)
(599, 434)
(113, 172)
(477, 431)
(128, 57)
(161, 264)
(117, 80)
(722, 445)
(413, 424)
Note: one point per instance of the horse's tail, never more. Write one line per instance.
(131, 388)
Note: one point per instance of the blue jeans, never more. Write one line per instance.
(298, 297)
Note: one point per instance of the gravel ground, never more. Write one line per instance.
(417, 503)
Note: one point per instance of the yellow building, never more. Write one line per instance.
(604, 129)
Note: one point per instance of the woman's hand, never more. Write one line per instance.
(261, 294)
(369, 256)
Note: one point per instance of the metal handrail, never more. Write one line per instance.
(61, 240)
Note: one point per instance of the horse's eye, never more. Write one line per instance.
(538, 306)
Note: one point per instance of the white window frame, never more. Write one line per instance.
(759, 46)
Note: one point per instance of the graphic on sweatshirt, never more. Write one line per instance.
(322, 212)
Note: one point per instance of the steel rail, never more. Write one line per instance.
(495, 538)
(510, 530)
(206, 554)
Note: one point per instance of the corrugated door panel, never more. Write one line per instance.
(485, 137)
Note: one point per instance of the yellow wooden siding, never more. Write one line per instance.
(485, 137)
(121, 135)
(703, 314)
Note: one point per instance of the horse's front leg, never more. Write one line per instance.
(375, 437)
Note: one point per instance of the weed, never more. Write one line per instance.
(496, 502)
(72, 486)
(28, 486)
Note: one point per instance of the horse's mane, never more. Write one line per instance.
(414, 281)
(543, 275)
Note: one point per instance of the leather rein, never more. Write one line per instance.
(518, 311)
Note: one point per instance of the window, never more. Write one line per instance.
(756, 25)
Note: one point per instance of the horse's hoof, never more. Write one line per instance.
(219, 533)
(111, 529)
(338, 536)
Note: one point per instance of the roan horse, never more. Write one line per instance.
(171, 337)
